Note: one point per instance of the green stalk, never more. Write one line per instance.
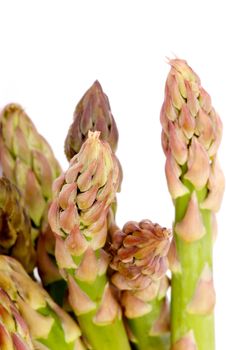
(140, 328)
(111, 337)
(107, 336)
(192, 257)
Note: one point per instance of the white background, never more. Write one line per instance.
(52, 51)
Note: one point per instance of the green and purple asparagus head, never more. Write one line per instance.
(14, 332)
(191, 135)
(83, 195)
(15, 226)
(139, 254)
(50, 326)
(27, 160)
(93, 113)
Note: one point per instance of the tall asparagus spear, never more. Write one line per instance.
(191, 136)
(50, 327)
(139, 257)
(14, 333)
(15, 226)
(78, 216)
(93, 113)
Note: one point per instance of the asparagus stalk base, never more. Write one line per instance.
(140, 328)
(109, 336)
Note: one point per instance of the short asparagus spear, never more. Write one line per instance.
(78, 216)
(14, 333)
(139, 260)
(50, 327)
(191, 136)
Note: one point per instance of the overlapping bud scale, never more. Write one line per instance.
(187, 342)
(82, 199)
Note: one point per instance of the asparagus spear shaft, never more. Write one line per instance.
(191, 136)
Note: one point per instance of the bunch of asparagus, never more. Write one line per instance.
(70, 277)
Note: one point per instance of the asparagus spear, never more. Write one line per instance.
(14, 333)
(191, 136)
(50, 327)
(15, 226)
(92, 113)
(28, 161)
(139, 257)
(78, 216)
